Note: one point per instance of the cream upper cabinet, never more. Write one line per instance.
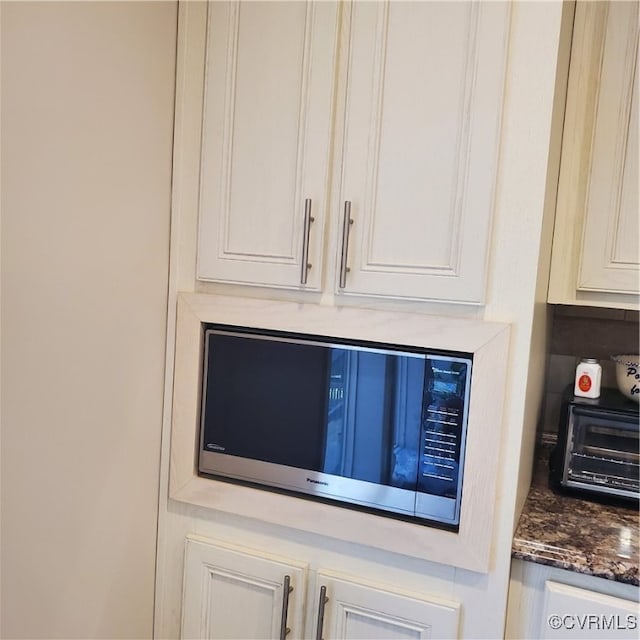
(363, 133)
(266, 139)
(423, 105)
(596, 249)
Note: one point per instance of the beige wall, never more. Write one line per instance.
(87, 107)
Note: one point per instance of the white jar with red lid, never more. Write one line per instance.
(588, 378)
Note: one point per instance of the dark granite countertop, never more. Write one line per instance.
(575, 533)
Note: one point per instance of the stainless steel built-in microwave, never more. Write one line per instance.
(365, 425)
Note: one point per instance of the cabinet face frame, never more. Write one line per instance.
(470, 548)
(577, 162)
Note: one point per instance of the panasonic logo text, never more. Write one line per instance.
(312, 481)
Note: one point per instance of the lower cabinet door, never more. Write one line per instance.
(231, 593)
(570, 612)
(359, 611)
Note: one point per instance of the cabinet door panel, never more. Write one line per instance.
(421, 134)
(232, 594)
(269, 81)
(610, 259)
(357, 611)
(570, 612)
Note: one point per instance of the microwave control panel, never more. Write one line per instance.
(446, 395)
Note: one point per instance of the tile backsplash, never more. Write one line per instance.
(584, 332)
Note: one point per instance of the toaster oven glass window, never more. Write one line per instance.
(603, 453)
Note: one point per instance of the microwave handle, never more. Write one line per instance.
(594, 413)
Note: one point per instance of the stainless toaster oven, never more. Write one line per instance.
(598, 446)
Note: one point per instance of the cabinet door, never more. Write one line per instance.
(269, 83)
(570, 612)
(610, 259)
(423, 105)
(356, 611)
(231, 593)
(596, 251)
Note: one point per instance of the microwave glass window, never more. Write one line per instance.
(373, 416)
(342, 411)
(252, 413)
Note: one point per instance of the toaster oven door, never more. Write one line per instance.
(602, 453)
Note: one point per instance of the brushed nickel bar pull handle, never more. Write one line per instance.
(346, 223)
(321, 602)
(286, 590)
(308, 219)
